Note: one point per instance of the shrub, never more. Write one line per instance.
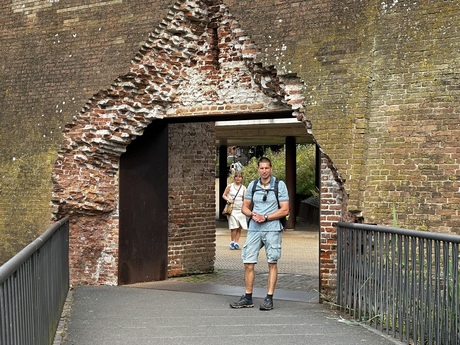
(305, 160)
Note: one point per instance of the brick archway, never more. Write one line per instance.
(197, 62)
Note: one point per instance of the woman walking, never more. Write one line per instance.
(234, 194)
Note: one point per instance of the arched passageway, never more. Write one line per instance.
(195, 67)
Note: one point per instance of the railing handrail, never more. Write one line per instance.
(405, 232)
(16, 261)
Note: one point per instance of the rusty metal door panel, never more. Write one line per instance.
(143, 237)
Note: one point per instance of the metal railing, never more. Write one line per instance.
(33, 289)
(402, 282)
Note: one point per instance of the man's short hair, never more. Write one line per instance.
(264, 160)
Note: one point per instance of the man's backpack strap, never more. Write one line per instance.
(283, 220)
(276, 192)
(254, 186)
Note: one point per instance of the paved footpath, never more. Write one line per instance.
(138, 316)
(195, 310)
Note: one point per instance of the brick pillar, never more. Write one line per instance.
(291, 179)
(332, 201)
(191, 202)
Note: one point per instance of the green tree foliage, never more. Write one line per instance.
(306, 166)
(305, 158)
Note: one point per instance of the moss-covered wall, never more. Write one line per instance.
(54, 56)
(413, 154)
(380, 83)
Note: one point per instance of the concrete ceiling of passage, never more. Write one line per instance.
(260, 132)
(253, 129)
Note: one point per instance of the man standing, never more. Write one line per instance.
(264, 230)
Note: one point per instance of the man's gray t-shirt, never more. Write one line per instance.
(266, 207)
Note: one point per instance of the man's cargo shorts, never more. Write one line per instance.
(255, 240)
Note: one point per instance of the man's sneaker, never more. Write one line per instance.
(236, 246)
(232, 246)
(267, 304)
(242, 303)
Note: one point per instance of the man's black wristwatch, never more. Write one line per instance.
(266, 217)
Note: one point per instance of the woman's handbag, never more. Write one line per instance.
(229, 207)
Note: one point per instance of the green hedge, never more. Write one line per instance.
(305, 158)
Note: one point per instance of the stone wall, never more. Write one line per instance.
(375, 82)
